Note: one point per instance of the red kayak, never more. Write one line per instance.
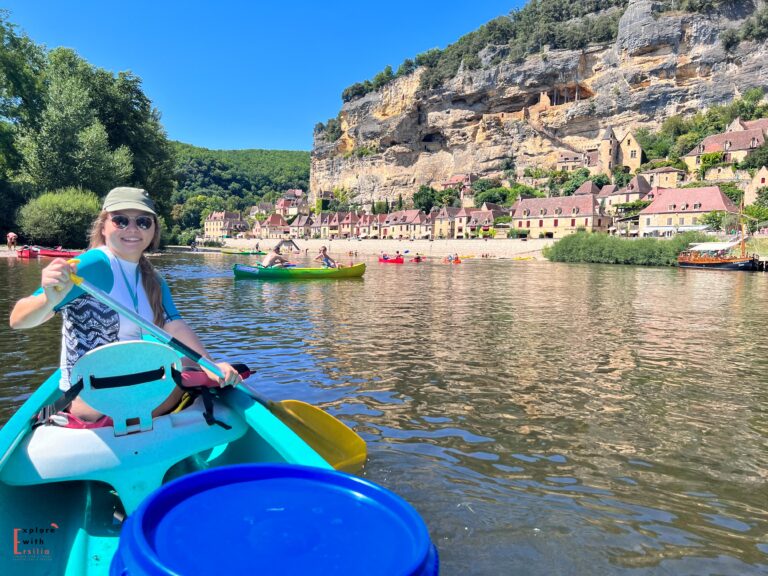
(34, 252)
(58, 253)
(417, 260)
(27, 252)
(391, 260)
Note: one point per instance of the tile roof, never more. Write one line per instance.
(447, 213)
(588, 187)
(607, 190)
(761, 124)
(584, 204)
(275, 220)
(741, 140)
(675, 200)
(638, 185)
(663, 170)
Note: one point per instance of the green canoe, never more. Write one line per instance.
(63, 490)
(242, 271)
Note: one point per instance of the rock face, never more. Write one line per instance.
(661, 64)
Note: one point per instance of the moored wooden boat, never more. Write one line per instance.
(64, 490)
(718, 256)
(293, 273)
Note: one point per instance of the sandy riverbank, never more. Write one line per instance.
(435, 249)
(501, 248)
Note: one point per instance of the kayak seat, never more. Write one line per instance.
(127, 380)
(134, 464)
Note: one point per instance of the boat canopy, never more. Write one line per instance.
(714, 246)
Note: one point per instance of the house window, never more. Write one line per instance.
(586, 221)
(682, 221)
(698, 160)
(555, 222)
(669, 221)
(762, 180)
(697, 206)
(599, 222)
(573, 222)
(519, 223)
(727, 145)
(633, 154)
(527, 223)
(647, 221)
(753, 143)
(694, 220)
(541, 223)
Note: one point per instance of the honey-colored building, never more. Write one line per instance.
(559, 216)
(676, 210)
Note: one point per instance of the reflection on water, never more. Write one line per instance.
(543, 418)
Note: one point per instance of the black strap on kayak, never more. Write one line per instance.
(207, 395)
(61, 403)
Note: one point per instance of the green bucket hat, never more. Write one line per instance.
(125, 198)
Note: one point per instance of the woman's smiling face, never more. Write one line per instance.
(128, 243)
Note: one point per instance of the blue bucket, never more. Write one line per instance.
(274, 519)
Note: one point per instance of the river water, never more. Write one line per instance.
(543, 418)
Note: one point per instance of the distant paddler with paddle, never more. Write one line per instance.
(326, 260)
(124, 230)
(274, 259)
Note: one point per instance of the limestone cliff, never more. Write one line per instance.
(661, 64)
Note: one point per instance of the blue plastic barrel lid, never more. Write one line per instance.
(282, 519)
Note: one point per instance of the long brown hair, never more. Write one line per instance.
(149, 277)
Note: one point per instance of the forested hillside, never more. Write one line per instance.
(233, 180)
(70, 131)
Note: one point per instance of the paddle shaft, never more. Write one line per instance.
(146, 325)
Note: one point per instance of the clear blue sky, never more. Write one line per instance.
(229, 74)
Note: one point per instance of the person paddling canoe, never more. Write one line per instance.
(274, 259)
(327, 261)
(124, 230)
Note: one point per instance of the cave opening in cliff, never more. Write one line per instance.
(433, 142)
(566, 93)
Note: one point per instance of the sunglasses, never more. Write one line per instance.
(122, 221)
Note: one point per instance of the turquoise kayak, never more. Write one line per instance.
(242, 271)
(65, 491)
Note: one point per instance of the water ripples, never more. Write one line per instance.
(543, 418)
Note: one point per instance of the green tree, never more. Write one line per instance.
(61, 218)
(762, 197)
(713, 220)
(425, 198)
(758, 158)
(96, 166)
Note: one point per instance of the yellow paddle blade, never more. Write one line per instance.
(338, 444)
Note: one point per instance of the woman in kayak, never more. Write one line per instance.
(124, 230)
(323, 257)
